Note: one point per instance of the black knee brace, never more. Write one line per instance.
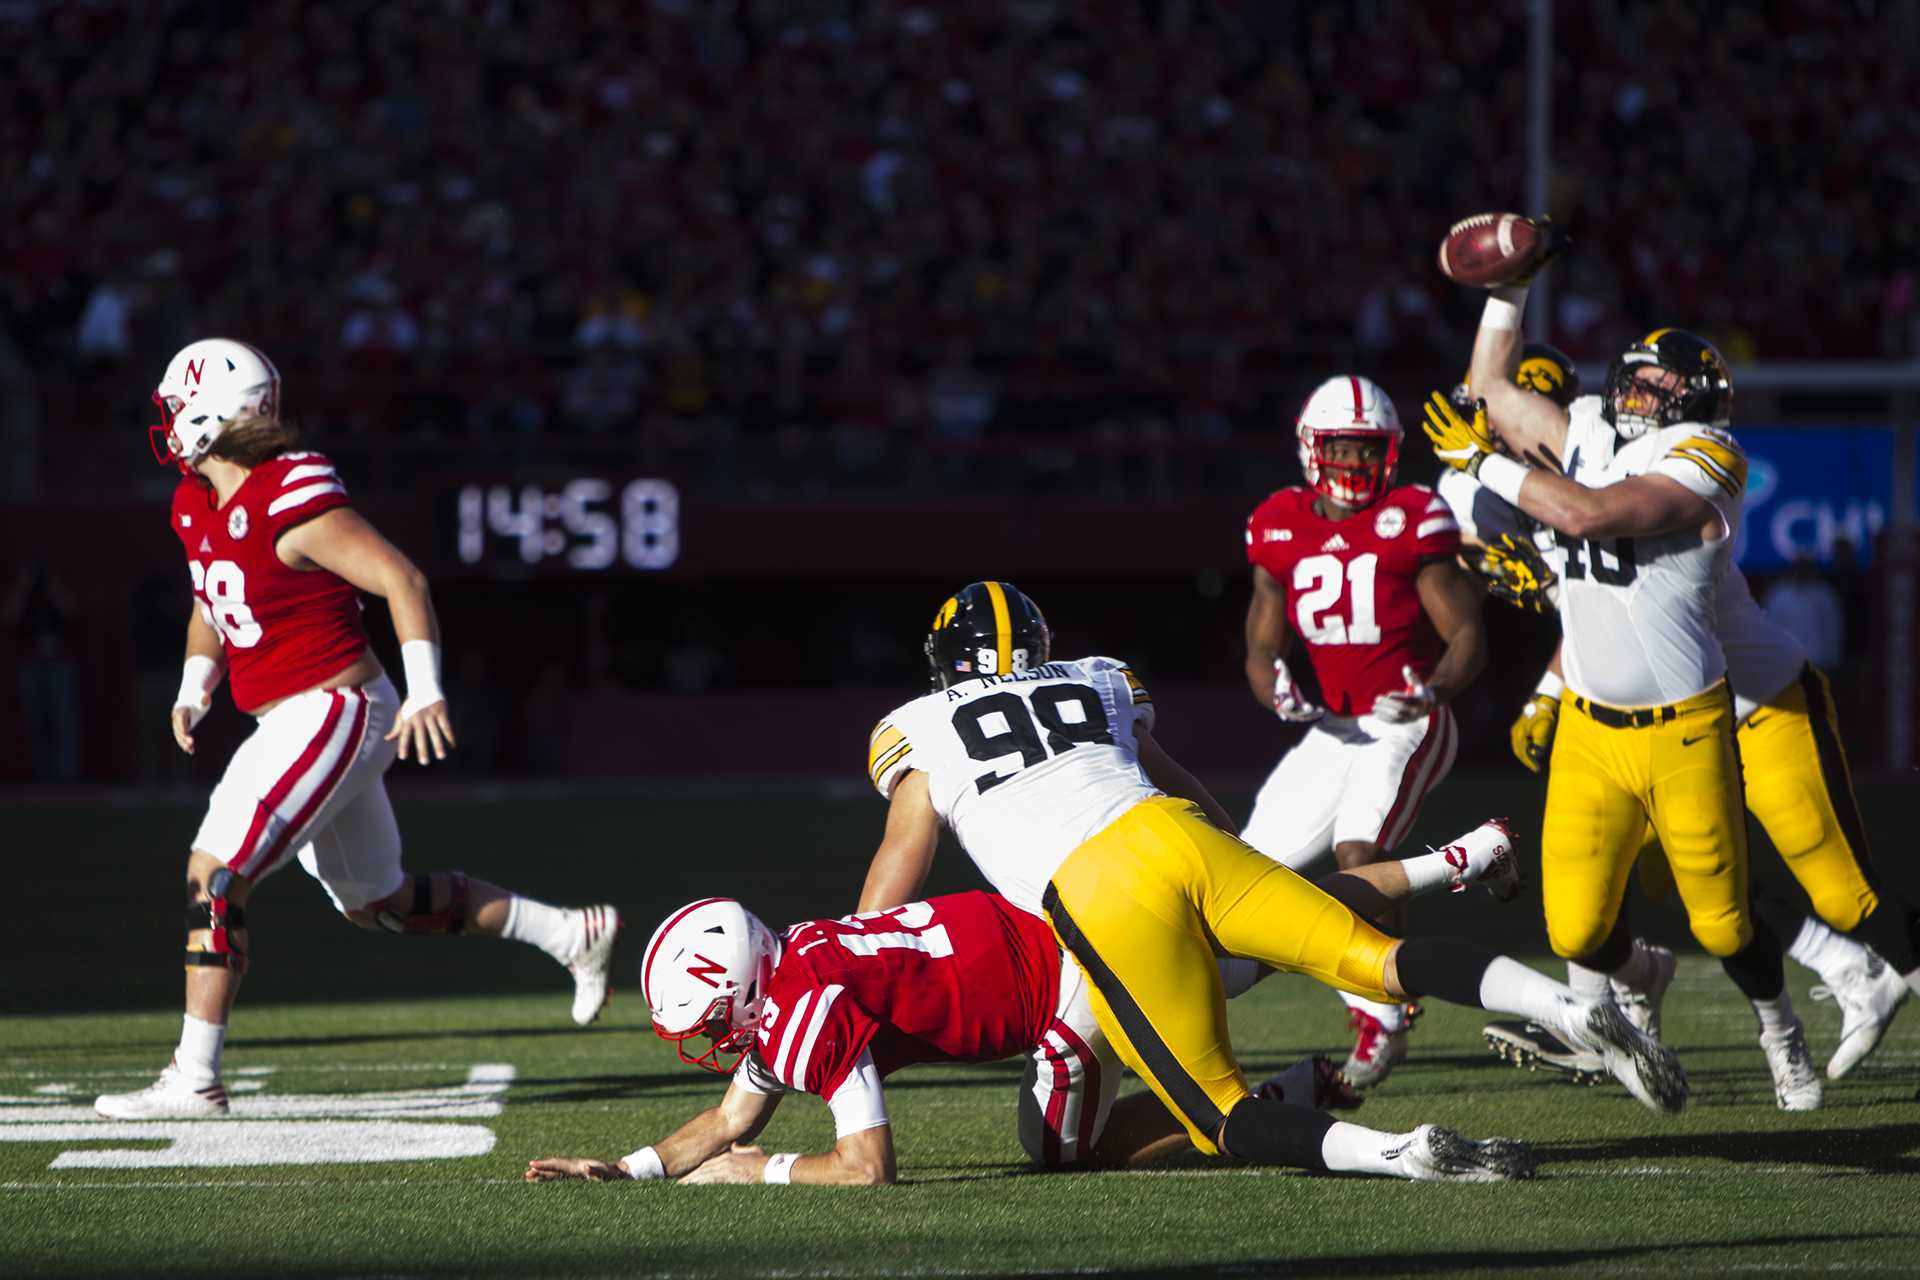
(219, 917)
(421, 917)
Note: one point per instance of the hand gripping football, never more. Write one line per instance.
(1492, 249)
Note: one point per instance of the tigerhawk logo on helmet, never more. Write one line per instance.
(1668, 377)
(1348, 407)
(986, 629)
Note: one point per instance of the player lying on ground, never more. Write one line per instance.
(1793, 770)
(278, 559)
(835, 1006)
(1048, 774)
(1361, 570)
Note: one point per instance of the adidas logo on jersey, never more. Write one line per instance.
(1335, 543)
(206, 548)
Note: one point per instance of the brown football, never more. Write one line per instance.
(1491, 249)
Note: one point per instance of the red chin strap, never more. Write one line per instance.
(717, 1025)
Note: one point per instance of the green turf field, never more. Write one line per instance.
(380, 1129)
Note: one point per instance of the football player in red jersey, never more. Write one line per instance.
(835, 1006)
(278, 558)
(1363, 571)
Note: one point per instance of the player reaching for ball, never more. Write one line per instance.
(278, 558)
(1362, 570)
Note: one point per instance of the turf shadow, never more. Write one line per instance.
(1887, 1148)
(398, 1037)
(1485, 1261)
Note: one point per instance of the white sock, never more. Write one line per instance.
(1354, 1148)
(1427, 872)
(558, 931)
(1588, 984)
(1511, 987)
(198, 1054)
(1238, 974)
(1392, 1017)
(1776, 1015)
(1825, 951)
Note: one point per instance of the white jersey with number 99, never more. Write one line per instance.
(1024, 767)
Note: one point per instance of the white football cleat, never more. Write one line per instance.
(1642, 1007)
(1868, 995)
(1435, 1154)
(1311, 1082)
(594, 966)
(1650, 1070)
(1375, 1049)
(1530, 1045)
(171, 1097)
(1796, 1085)
(1484, 856)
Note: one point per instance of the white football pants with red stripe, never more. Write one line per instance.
(1071, 1080)
(1350, 778)
(307, 784)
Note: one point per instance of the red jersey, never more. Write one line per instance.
(284, 630)
(968, 977)
(1350, 586)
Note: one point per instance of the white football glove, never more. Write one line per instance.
(1290, 702)
(1415, 702)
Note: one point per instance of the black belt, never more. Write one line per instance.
(1622, 717)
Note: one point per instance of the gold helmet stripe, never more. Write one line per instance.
(1002, 629)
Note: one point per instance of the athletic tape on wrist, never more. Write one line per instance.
(1550, 686)
(779, 1170)
(198, 677)
(1502, 477)
(1505, 308)
(420, 660)
(644, 1165)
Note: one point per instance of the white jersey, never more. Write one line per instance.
(1024, 767)
(1762, 656)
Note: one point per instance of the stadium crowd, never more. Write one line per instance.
(848, 233)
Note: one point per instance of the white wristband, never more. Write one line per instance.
(420, 660)
(1505, 307)
(197, 679)
(1502, 477)
(1550, 686)
(644, 1165)
(779, 1170)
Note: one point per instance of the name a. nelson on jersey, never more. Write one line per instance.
(1045, 671)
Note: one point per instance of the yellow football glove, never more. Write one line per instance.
(1459, 443)
(1517, 573)
(1532, 733)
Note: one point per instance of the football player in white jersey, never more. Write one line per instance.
(1049, 775)
(1796, 783)
(1644, 495)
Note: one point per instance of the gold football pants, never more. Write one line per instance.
(1676, 772)
(1144, 908)
(1800, 789)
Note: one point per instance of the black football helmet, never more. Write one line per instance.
(986, 629)
(1703, 392)
(1547, 370)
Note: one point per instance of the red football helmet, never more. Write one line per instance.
(705, 974)
(1348, 406)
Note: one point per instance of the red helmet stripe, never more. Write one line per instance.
(1359, 405)
(646, 968)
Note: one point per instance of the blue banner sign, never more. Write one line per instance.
(1810, 487)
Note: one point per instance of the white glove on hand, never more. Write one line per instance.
(1415, 702)
(1290, 702)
